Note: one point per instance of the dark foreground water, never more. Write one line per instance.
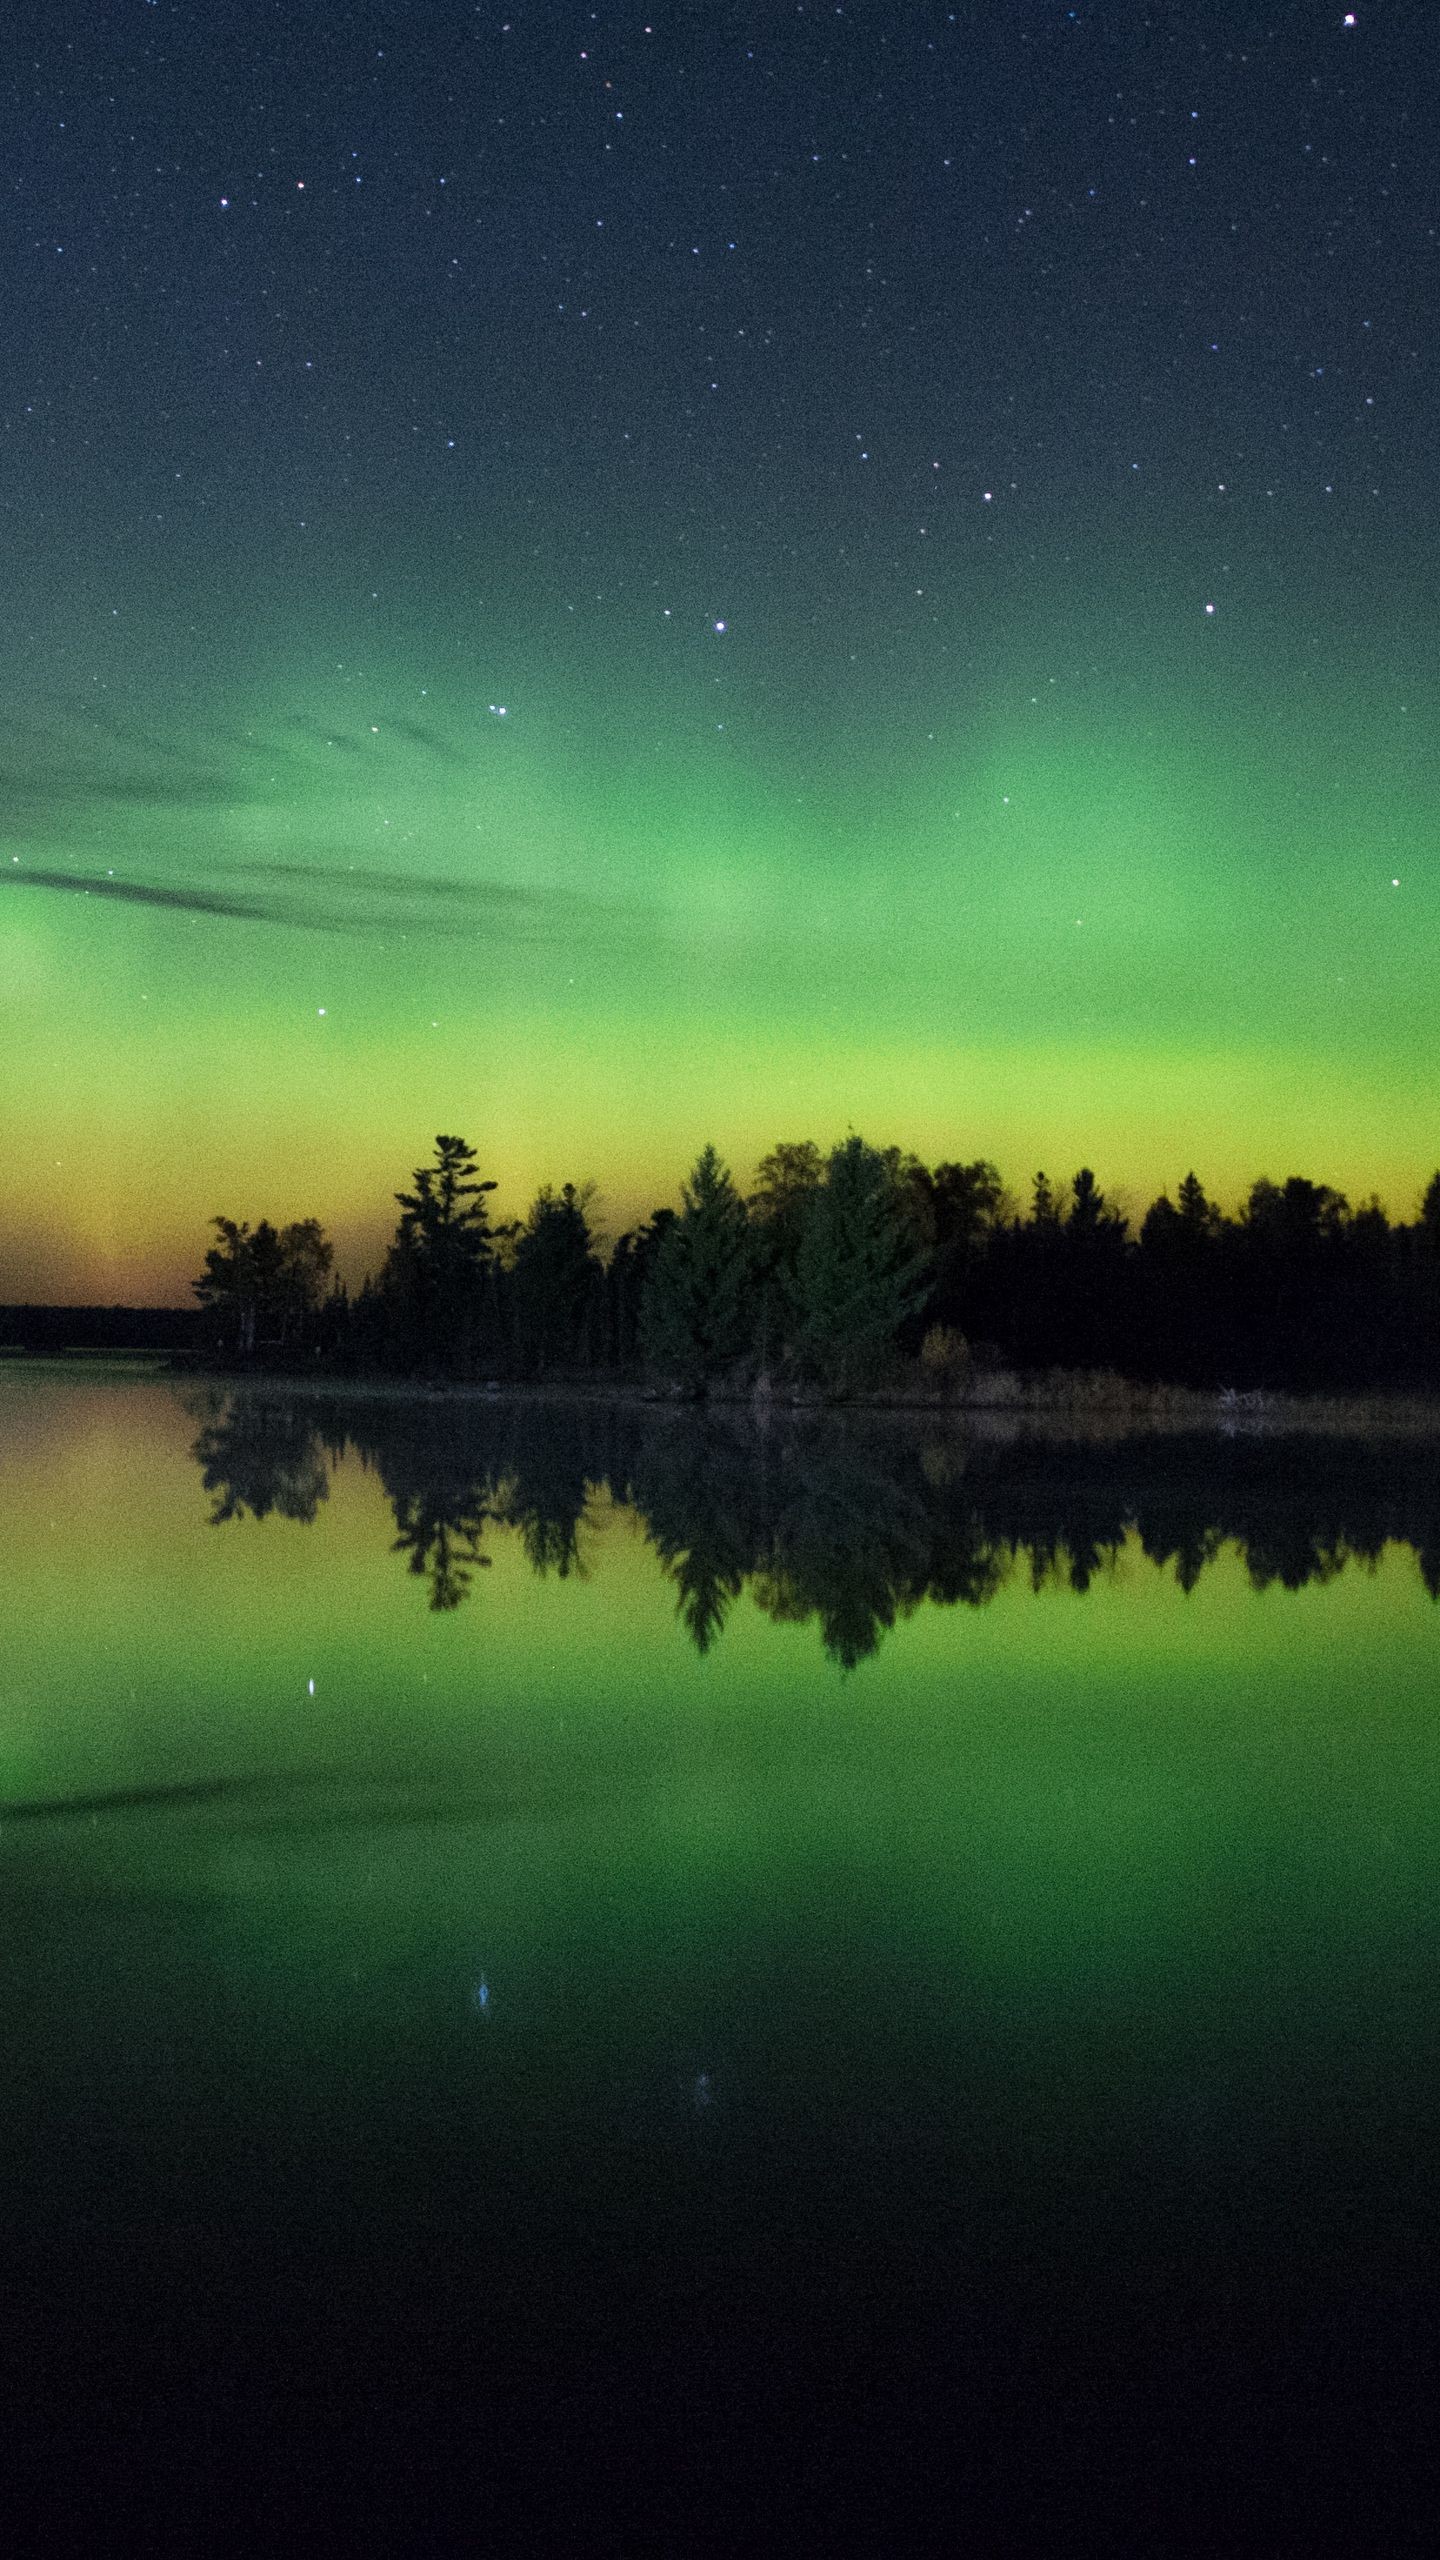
(599, 1979)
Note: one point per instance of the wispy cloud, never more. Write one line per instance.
(139, 893)
(59, 788)
(80, 789)
(335, 898)
(62, 783)
(99, 761)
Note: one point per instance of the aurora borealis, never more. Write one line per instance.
(611, 577)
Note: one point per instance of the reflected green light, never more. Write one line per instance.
(1056, 1911)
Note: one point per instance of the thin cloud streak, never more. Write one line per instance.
(56, 790)
(62, 766)
(142, 893)
(445, 908)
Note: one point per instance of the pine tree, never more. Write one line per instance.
(555, 1277)
(859, 1273)
(1091, 1216)
(786, 1182)
(695, 1314)
(438, 1266)
(1044, 1207)
(1200, 1215)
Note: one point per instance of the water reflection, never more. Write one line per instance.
(441, 1510)
(849, 1526)
(259, 1454)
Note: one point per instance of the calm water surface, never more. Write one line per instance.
(608, 1974)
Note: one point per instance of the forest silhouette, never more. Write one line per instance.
(817, 1522)
(846, 1275)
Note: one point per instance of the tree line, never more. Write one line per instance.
(848, 1273)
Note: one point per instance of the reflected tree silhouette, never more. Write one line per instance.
(546, 1500)
(849, 1530)
(1292, 1560)
(259, 1455)
(850, 1547)
(441, 1536)
(702, 1499)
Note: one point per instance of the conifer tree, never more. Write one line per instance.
(786, 1182)
(695, 1314)
(1198, 1211)
(859, 1273)
(437, 1268)
(555, 1277)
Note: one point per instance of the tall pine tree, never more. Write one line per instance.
(695, 1317)
(859, 1272)
(437, 1269)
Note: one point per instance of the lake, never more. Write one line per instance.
(617, 1975)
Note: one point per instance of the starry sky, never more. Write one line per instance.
(610, 577)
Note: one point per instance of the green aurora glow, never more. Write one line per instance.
(956, 563)
(1143, 933)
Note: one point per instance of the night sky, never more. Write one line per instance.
(607, 578)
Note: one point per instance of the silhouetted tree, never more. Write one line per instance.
(227, 1288)
(966, 1202)
(264, 1285)
(1287, 1258)
(696, 1314)
(1021, 1280)
(627, 1277)
(785, 1178)
(305, 1259)
(1093, 1311)
(1180, 1303)
(436, 1272)
(1091, 1216)
(1197, 1214)
(1044, 1207)
(859, 1272)
(786, 1182)
(555, 1274)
